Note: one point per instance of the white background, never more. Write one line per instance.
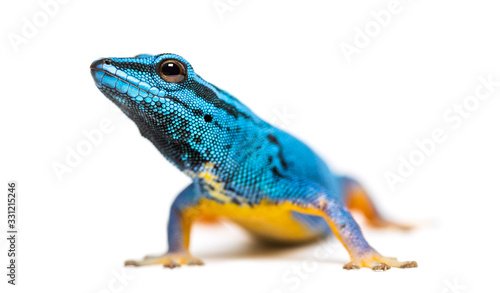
(275, 56)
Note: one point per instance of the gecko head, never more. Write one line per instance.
(188, 119)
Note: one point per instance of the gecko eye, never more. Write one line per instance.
(172, 71)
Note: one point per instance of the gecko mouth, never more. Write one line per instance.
(119, 86)
(109, 76)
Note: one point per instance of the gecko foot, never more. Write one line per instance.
(168, 260)
(377, 262)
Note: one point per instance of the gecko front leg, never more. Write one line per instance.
(182, 214)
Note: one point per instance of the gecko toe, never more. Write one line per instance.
(409, 264)
(380, 267)
(351, 266)
(132, 263)
(172, 264)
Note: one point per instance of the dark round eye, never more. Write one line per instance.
(172, 71)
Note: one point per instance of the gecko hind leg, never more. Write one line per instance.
(357, 199)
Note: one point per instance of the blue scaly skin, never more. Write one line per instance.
(243, 169)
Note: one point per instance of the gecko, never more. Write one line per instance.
(243, 169)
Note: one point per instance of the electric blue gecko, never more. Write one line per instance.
(243, 169)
